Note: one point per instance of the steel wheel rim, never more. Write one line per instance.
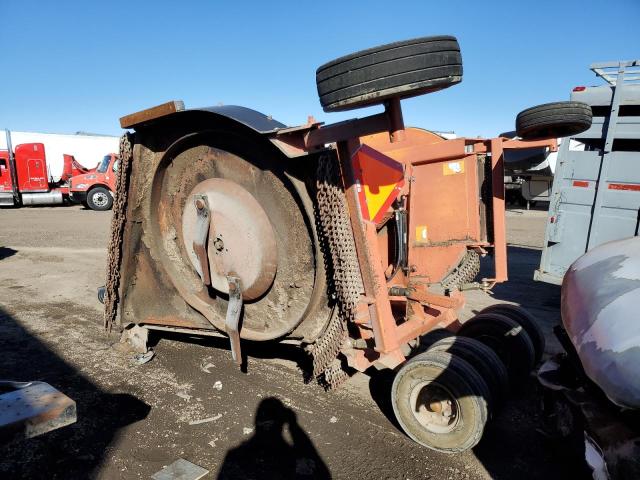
(100, 199)
(434, 407)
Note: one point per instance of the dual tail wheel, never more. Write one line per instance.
(443, 397)
(513, 334)
(440, 401)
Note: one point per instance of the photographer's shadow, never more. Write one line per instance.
(267, 454)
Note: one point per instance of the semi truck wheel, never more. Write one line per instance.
(99, 198)
(401, 69)
(523, 318)
(508, 339)
(440, 401)
(553, 120)
(484, 360)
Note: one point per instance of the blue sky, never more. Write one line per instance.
(70, 66)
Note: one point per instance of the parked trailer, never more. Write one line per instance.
(351, 240)
(596, 191)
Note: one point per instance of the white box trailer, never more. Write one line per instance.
(88, 149)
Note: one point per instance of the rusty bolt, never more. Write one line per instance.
(199, 204)
(413, 268)
(218, 244)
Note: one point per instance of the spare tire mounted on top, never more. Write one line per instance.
(400, 69)
(553, 120)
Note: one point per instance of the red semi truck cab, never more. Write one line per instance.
(95, 188)
(25, 181)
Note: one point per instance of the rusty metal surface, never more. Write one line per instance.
(200, 234)
(279, 310)
(133, 119)
(29, 409)
(498, 211)
(232, 321)
(160, 285)
(241, 240)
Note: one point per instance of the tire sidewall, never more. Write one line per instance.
(466, 433)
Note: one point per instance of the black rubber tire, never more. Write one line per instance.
(466, 386)
(508, 339)
(526, 321)
(553, 120)
(484, 360)
(94, 194)
(401, 69)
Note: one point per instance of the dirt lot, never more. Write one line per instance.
(191, 401)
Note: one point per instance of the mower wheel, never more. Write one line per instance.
(99, 198)
(553, 120)
(440, 401)
(400, 69)
(484, 360)
(508, 339)
(523, 318)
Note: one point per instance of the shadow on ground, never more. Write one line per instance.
(73, 452)
(6, 252)
(521, 288)
(269, 454)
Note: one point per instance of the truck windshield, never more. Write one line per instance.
(104, 164)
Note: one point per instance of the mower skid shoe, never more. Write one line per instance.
(232, 322)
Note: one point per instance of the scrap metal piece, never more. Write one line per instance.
(30, 409)
(152, 113)
(181, 469)
(232, 322)
(137, 337)
(203, 221)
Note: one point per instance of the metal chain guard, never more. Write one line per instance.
(118, 221)
(343, 271)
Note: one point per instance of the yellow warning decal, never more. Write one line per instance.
(452, 168)
(422, 234)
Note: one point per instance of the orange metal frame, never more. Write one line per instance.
(384, 334)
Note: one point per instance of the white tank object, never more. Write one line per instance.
(600, 311)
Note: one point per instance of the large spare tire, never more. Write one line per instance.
(400, 69)
(553, 120)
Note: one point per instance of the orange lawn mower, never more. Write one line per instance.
(352, 240)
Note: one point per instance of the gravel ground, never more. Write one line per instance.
(191, 401)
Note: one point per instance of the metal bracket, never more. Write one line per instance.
(202, 232)
(232, 322)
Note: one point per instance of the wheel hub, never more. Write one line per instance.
(434, 407)
(100, 199)
(241, 240)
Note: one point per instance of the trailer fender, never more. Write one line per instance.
(172, 111)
